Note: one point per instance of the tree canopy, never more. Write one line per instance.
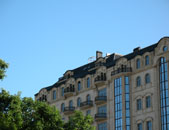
(27, 114)
(3, 67)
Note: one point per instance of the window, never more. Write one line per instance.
(79, 86)
(138, 64)
(139, 106)
(147, 78)
(139, 126)
(147, 60)
(138, 81)
(118, 103)
(62, 107)
(78, 102)
(88, 82)
(62, 92)
(54, 94)
(149, 125)
(102, 109)
(70, 103)
(148, 101)
(88, 98)
(164, 99)
(102, 126)
(102, 92)
(127, 102)
(88, 112)
(165, 48)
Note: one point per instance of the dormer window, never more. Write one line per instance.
(165, 48)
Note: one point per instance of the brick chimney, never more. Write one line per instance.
(98, 54)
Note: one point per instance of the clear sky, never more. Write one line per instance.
(41, 39)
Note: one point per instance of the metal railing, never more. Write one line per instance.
(69, 109)
(120, 70)
(101, 115)
(86, 103)
(101, 98)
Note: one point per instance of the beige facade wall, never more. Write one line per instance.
(151, 89)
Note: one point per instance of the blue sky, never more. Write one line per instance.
(41, 39)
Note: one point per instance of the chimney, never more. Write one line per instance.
(136, 49)
(98, 54)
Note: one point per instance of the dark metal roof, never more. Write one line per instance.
(84, 70)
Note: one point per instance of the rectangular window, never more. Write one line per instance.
(139, 126)
(149, 125)
(102, 126)
(54, 94)
(88, 82)
(102, 92)
(127, 102)
(88, 112)
(148, 101)
(102, 109)
(118, 103)
(139, 106)
(62, 92)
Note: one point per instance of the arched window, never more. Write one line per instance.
(88, 98)
(79, 86)
(138, 64)
(88, 82)
(70, 103)
(138, 81)
(78, 102)
(62, 107)
(165, 48)
(147, 78)
(147, 60)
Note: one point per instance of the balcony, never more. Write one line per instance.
(100, 116)
(100, 79)
(69, 110)
(100, 100)
(69, 91)
(86, 104)
(122, 69)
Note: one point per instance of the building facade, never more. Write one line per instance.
(127, 92)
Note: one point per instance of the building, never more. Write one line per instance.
(127, 92)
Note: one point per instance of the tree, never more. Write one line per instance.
(10, 111)
(3, 67)
(38, 115)
(27, 114)
(79, 122)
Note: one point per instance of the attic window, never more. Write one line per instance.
(165, 48)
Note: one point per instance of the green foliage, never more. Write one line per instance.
(10, 111)
(27, 114)
(3, 67)
(79, 122)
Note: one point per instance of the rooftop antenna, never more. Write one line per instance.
(91, 59)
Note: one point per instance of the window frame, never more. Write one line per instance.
(139, 104)
(138, 63)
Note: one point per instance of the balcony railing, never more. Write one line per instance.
(69, 91)
(100, 116)
(69, 110)
(100, 79)
(86, 104)
(121, 70)
(100, 99)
